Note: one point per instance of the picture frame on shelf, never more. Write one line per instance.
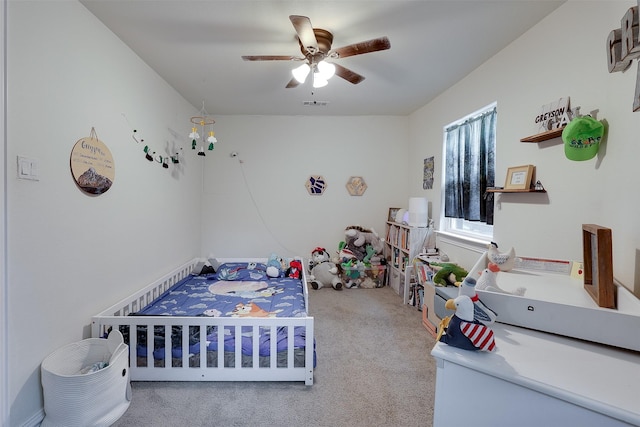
(519, 177)
(598, 264)
(391, 217)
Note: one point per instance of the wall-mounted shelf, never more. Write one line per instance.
(503, 190)
(550, 134)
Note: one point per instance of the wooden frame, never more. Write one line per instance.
(598, 264)
(519, 177)
(392, 214)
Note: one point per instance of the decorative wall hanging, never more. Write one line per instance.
(553, 115)
(150, 154)
(205, 122)
(427, 179)
(92, 165)
(623, 47)
(356, 186)
(316, 185)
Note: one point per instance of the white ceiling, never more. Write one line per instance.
(196, 46)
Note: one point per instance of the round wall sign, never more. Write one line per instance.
(92, 165)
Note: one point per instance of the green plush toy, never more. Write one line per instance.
(448, 274)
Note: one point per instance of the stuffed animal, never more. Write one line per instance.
(361, 237)
(351, 272)
(324, 272)
(460, 330)
(481, 312)
(488, 281)
(344, 254)
(295, 269)
(505, 260)
(349, 249)
(448, 274)
(274, 266)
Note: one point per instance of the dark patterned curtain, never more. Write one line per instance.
(469, 156)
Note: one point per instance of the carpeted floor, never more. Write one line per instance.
(374, 369)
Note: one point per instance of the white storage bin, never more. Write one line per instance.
(77, 393)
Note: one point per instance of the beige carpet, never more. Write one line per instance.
(374, 369)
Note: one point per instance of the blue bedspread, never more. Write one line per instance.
(256, 296)
(259, 296)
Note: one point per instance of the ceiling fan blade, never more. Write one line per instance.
(348, 75)
(373, 45)
(302, 25)
(292, 83)
(270, 58)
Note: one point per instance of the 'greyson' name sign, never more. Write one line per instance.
(623, 46)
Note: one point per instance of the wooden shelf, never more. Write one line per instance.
(503, 190)
(550, 134)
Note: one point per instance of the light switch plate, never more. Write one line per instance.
(28, 168)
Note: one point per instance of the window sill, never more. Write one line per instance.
(466, 242)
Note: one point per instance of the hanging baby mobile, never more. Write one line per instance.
(202, 120)
(205, 122)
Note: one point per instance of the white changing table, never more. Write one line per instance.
(536, 379)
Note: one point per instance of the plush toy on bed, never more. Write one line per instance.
(295, 269)
(324, 272)
(274, 266)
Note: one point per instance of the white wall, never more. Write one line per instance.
(564, 55)
(278, 154)
(68, 251)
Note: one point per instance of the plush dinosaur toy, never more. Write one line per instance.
(448, 274)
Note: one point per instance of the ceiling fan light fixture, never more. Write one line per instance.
(326, 69)
(300, 73)
(319, 81)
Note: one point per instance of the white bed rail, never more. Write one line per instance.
(205, 365)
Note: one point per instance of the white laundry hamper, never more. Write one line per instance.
(97, 398)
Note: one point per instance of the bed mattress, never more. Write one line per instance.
(246, 291)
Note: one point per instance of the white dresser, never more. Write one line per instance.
(537, 379)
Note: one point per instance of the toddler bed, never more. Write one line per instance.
(217, 327)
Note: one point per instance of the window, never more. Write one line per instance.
(469, 168)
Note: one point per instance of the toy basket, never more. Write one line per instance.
(369, 277)
(86, 383)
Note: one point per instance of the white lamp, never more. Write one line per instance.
(300, 73)
(326, 69)
(418, 212)
(319, 81)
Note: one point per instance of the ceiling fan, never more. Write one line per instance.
(315, 45)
